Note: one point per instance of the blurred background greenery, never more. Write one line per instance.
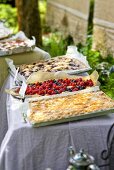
(56, 44)
(8, 15)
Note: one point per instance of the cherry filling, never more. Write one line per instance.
(51, 87)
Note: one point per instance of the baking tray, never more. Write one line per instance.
(76, 118)
(38, 97)
(72, 72)
(17, 50)
(30, 44)
(84, 68)
(89, 105)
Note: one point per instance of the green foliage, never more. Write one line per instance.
(54, 44)
(93, 57)
(5, 1)
(108, 86)
(42, 6)
(9, 16)
(101, 65)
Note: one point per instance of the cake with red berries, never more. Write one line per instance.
(59, 86)
(55, 87)
(72, 106)
(61, 63)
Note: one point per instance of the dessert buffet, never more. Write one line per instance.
(56, 95)
(42, 91)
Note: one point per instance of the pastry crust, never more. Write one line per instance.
(7, 45)
(62, 63)
(68, 106)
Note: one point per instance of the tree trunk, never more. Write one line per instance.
(29, 19)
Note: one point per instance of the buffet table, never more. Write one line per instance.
(28, 148)
(21, 58)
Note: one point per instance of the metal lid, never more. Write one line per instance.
(81, 158)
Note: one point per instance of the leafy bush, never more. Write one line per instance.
(102, 65)
(9, 16)
(5, 1)
(54, 44)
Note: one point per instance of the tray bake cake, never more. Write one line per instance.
(61, 63)
(51, 87)
(13, 46)
(72, 106)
